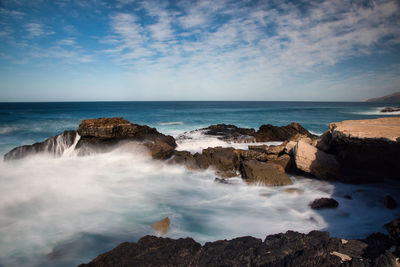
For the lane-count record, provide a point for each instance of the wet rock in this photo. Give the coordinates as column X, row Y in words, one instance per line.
column 224, row 160
column 285, row 249
column 55, row 146
column 348, row 197
column 324, row 203
column 162, row 226
column 104, row 134
column 150, row 251
column 293, row 131
column 230, row 132
column 390, row 109
column 389, row 202
column 312, row 160
column 264, row 173
column 184, row 158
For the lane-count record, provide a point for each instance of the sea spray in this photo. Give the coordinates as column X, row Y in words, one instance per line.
column 47, row 203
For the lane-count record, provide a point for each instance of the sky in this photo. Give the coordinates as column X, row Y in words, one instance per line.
column 128, row 50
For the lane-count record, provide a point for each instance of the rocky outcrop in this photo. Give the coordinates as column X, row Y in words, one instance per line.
column 324, row 203
column 392, row 98
column 288, row 249
column 266, row 133
column 293, row 131
column 103, row 134
column 366, row 150
column 312, row 160
column 55, row 146
column 264, row 173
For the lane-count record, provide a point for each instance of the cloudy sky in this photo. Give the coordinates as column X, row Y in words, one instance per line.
column 66, row 50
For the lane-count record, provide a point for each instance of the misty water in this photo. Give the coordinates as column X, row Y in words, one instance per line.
column 65, row 211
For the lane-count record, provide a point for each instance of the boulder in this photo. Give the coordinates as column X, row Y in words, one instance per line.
column 104, row 134
column 285, row 249
column 286, row 161
column 312, row 160
column 224, row 160
column 264, row 173
column 251, row 154
column 55, row 146
column 367, row 150
column 162, row 226
column 324, row 203
column 293, row 131
column 389, row 202
column 184, row 158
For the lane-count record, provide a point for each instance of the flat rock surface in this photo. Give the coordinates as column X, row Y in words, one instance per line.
column 381, row 128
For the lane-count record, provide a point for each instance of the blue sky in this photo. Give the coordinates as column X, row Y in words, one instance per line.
column 71, row 50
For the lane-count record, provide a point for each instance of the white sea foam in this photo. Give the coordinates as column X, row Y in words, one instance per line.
column 46, row 202
column 6, row 129
column 171, row 123
column 196, row 141
column 377, row 111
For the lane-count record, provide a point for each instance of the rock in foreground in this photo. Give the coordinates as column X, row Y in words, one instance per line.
column 289, row 249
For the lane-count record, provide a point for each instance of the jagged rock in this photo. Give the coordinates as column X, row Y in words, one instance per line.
column 184, row 158
column 293, row 131
column 312, row 160
column 286, row 161
column 103, row 134
column 389, row 202
column 251, row 154
column 224, row 160
column 162, row 226
column 55, row 145
column 231, row 132
column 264, row 173
column 288, row 249
column 324, row 203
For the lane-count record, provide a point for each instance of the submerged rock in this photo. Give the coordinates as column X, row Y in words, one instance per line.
column 288, row 249
column 324, row 203
column 55, row 146
column 264, row 173
column 390, row 109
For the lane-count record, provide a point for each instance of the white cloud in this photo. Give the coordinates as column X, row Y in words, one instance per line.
column 37, row 30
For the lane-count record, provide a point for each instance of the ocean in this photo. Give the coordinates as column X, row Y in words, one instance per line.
column 65, row 211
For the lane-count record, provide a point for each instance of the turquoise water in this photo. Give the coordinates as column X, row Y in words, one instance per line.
column 65, row 211
column 25, row 123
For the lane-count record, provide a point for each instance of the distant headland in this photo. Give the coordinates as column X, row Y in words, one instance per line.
column 393, row 98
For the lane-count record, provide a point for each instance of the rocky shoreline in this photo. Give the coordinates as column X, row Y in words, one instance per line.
column 286, row 249
column 350, row 151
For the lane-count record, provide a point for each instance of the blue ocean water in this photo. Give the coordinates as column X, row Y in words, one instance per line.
column 26, row 123
column 65, row 211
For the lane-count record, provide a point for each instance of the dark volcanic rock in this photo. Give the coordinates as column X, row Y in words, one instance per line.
column 389, row 202
column 230, row 132
column 390, row 109
column 103, row 134
column 324, row 203
column 55, row 145
column 289, row 249
column 293, row 131
column 224, row 160
column 393, row 229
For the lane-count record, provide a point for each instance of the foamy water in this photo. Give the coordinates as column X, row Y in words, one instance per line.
column 377, row 111
column 65, row 211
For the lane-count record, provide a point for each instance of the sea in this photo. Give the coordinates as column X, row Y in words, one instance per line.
column 64, row 211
